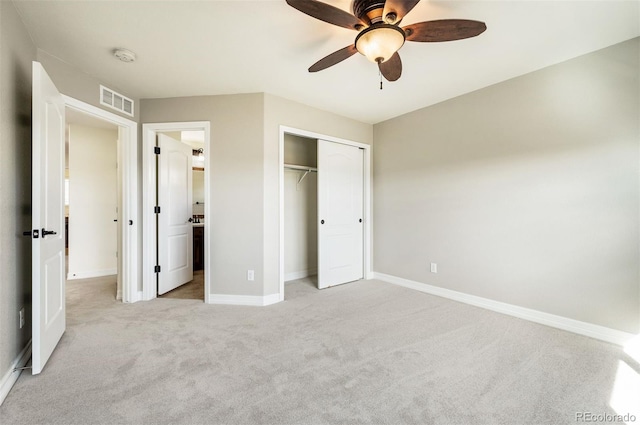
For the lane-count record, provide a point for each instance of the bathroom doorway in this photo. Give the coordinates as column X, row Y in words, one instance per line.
column 180, row 223
column 192, row 238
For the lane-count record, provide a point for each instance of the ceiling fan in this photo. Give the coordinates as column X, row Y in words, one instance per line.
column 379, row 34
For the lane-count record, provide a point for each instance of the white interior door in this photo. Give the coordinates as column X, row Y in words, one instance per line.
column 175, row 231
column 48, row 266
column 340, row 213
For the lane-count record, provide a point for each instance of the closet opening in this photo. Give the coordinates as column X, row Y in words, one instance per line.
column 325, row 224
column 300, row 212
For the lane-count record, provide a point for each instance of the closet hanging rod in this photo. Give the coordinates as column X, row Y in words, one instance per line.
column 300, row 167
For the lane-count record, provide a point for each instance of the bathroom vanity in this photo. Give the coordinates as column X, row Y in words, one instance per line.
column 198, row 246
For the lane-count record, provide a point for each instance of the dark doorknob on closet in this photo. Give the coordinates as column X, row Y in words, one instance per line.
column 321, row 221
column 360, row 220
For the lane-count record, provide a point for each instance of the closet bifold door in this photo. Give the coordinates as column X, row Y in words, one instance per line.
column 340, row 213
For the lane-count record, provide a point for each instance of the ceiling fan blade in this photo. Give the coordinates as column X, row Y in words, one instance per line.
column 399, row 8
column 333, row 58
column 392, row 68
column 327, row 13
column 444, row 30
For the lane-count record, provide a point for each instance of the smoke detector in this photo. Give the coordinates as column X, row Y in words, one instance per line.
column 124, row 55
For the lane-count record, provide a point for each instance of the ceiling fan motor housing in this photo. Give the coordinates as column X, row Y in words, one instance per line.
column 368, row 10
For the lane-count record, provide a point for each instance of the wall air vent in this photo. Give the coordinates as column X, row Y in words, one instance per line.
column 116, row 101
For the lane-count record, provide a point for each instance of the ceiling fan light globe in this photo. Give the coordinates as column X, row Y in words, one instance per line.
column 379, row 42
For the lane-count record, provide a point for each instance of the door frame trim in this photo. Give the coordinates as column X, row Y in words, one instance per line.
column 149, row 290
column 368, row 218
column 128, row 200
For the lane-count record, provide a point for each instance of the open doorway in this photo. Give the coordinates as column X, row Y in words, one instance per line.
column 88, row 118
column 91, row 198
column 180, row 228
column 175, row 210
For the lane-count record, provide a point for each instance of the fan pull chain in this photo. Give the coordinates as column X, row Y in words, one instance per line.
column 380, row 74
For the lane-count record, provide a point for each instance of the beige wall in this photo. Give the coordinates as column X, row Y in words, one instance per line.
column 525, row 192
column 300, row 150
column 93, row 201
column 244, row 174
column 16, row 53
column 235, row 161
column 277, row 112
column 72, row 82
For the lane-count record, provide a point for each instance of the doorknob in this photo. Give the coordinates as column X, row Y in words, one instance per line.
column 321, row 221
column 360, row 220
column 190, row 220
column 48, row 232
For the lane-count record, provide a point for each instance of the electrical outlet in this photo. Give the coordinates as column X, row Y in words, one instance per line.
column 434, row 268
column 250, row 275
column 22, row 318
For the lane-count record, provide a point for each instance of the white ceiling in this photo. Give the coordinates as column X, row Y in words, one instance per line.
column 188, row 48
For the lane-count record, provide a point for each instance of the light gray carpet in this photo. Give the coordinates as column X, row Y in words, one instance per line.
column 193, row 290
column 363, row 353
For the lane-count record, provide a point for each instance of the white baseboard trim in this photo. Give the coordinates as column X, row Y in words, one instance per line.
column 272, row 299
column 252, row 300
column 582, row 328
column 11, row 376
column 89, row 274
column 300, row 274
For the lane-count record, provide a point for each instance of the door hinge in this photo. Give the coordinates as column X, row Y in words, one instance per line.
column 156, row 269
column 156, row 210
column 156, row 150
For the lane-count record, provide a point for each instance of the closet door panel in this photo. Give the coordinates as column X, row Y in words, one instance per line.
column 340, row 213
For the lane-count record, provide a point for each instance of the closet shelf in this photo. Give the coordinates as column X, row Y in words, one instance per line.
column 300, row 167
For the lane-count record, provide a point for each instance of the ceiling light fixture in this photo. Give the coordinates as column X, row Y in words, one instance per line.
column 198, row 155
column 124, row 55
column 380, row 41
column 379, row 33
